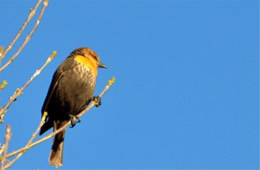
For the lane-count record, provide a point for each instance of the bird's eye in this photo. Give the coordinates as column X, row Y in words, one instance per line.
column 95, row 57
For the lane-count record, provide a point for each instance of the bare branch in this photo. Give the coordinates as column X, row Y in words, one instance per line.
column 29, row 142
column 7, row 139
column 1, row 51
column 91, row 105
column 31, row 14
column 19, row 92
column 27, row 39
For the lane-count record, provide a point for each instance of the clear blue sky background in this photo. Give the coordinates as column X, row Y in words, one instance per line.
column 187, row 82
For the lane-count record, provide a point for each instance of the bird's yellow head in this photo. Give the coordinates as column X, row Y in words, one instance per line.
column 88, row 58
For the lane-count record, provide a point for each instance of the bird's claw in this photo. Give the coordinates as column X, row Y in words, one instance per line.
column 96, row 100
column 73, row 120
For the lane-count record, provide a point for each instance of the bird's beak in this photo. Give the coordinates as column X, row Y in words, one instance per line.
column 101, row 65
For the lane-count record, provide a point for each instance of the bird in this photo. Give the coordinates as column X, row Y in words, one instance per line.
column 70, row 91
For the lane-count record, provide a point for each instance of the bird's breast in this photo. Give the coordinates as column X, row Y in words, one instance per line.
column 75, row 89
column 87, row 63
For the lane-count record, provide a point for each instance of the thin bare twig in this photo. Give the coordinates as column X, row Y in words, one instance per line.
column 7, row 139
column 29, row 142
column 19, row 92
column 27, row 39
column 92, row 104
column 1, row 51
column 31, row 14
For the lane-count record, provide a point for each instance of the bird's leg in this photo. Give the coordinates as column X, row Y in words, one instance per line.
column 96, row 100
column 73, row 120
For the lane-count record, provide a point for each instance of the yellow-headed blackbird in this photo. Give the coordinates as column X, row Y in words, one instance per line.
column 71, row 90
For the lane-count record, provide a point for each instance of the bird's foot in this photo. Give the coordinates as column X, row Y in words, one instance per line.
column 73, row 120
column 96, row 100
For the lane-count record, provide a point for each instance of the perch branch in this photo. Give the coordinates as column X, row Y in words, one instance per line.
column 92, row 104
column 19, row 92
column 9, row 164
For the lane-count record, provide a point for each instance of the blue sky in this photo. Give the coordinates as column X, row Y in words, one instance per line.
column 187, row 82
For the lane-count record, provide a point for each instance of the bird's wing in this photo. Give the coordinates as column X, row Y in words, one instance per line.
column 64, row 67
column 55, row 81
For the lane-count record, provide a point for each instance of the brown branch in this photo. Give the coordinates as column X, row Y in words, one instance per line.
column 31, row 14
column 29, row 142
column 19, row 92
column 27, row 39
column 7, row 139
column 92, row 104
column 1, row 51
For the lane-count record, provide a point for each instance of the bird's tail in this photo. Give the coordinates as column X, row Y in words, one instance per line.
column 56, row 154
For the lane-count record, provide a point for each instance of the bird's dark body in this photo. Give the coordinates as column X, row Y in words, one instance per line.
column 74, row 88
column 71, row 90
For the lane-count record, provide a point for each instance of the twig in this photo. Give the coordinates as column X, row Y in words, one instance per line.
column 1, row 51
column 27, row 39
column 29, row 142
column 92, row 104
column 31, row 14
column 19, row 92
column 3, row 85
column 7, row 139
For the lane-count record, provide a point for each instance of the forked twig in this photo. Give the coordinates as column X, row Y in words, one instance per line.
column 9, row 164
column 92, row 104
column 31, row 14
column 19, row 92
column 27, row 39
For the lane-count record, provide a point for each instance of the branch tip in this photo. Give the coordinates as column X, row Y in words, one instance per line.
column 3, row 84
column 45, row 114
column 1, row 50
column 8, row 129
column 111, row 81
column 46, row 2
column 54, row 53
